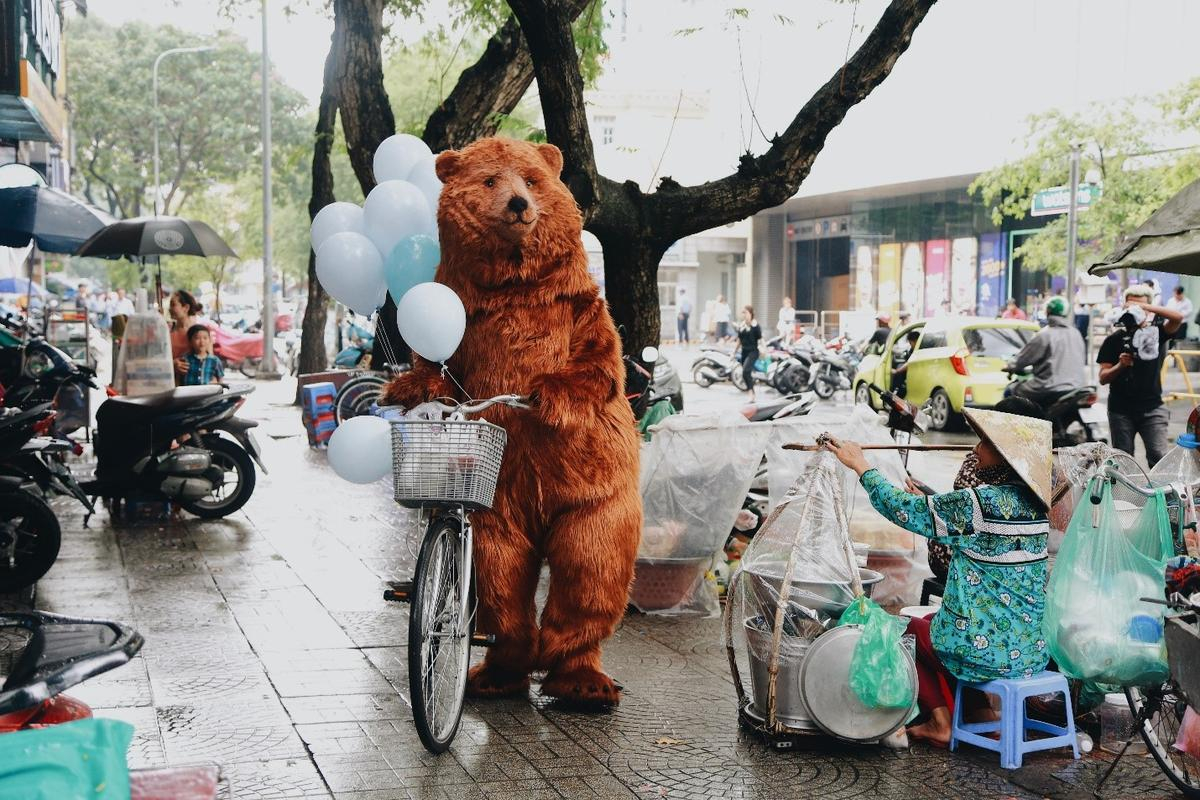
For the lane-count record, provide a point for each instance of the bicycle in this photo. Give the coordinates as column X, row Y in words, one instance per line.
column 1158, row 711
column 447, row 468
column 363, row 390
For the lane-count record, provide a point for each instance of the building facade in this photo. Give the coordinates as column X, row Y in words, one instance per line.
column 33, row 111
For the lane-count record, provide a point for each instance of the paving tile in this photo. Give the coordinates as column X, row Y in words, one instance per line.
column 347, row 708
column 286, row 779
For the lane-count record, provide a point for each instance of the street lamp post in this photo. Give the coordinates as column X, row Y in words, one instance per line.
column 267, row 368
column 1072, row 228
column 157, row 61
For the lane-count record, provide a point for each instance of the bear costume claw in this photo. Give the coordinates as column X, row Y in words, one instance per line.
column 583, row 688
column 484, row 681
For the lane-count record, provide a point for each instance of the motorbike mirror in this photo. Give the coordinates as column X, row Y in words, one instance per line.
column 650, row 354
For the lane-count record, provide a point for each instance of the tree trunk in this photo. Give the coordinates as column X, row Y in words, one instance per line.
column 313, row 357
column 631, row 288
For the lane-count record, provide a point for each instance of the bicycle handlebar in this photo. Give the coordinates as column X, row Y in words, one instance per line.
column 510, row 400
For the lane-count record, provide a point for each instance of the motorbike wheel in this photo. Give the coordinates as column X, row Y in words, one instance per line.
column 26, row 517
column 677, row 401
column 824, row 384
column 702, row 379
column 738, row 377
column 862, row 395
column 249, row 367
column 232, row 494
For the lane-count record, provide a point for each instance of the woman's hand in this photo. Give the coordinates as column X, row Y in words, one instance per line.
column 850, row 454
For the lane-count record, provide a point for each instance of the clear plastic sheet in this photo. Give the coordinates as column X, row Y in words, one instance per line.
column 144, row 362
column 695, row 473
column 1073, row 468
column 793, row 583
column 1180, row 470
column 902, row 557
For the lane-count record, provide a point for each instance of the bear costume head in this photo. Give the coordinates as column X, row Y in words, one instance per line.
column 506, row 219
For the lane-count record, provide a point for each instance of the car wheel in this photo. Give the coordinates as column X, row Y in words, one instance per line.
column 862, row 395
column 942, row 416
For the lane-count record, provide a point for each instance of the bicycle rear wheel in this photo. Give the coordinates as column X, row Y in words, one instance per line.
column 355, row 398
column 1163, row 709
column 439, row 633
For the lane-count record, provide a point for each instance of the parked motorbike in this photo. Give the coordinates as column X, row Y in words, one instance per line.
column 29, row 531
column 61, row 652
column 207, row 474
column 643, row 390
column 33, row 371
column 713, row 366
column 240, row 351
column 835, row 370
column 791, row 405
column 1072, row 413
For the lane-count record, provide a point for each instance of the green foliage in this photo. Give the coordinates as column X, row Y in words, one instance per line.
column 209, row 113
column 1119, row 141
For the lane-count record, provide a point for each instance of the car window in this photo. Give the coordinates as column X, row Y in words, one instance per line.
column 932, row 339
column 996, row 342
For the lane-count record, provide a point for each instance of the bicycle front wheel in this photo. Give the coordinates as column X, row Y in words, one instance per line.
column 439, row 633
column 1163, row 709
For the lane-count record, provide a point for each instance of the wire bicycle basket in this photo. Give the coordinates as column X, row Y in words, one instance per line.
column 446, row 462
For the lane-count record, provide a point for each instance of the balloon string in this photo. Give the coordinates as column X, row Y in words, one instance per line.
column 388, row 352
column 447, row 374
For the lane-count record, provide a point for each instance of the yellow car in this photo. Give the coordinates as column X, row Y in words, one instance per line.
column 957, row 362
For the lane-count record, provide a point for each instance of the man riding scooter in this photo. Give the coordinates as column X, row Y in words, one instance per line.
column 1056, row 356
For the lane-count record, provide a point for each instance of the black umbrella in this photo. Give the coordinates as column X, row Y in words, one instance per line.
column 54, row 220
column 1168, row 241
column 156, row 236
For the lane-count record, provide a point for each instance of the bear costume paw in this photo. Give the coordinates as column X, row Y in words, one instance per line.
column 411, row 388
column 557, row 401
column 583, row 688
column 486, row 681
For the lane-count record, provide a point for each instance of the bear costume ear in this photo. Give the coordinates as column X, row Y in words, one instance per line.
column 446, row 164
column 552, row 156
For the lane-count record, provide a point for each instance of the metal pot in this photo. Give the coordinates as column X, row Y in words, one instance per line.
column 790, row 708
column 828, row 598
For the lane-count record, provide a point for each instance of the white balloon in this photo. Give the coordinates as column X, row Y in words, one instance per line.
column 336, row 218
column 431, row 318
column 351, row 269
column 360, row 449
column 395, row 209
column 425, row 178
column 397, row 155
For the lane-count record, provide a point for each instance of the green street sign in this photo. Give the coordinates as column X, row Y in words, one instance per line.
column 1057, row 199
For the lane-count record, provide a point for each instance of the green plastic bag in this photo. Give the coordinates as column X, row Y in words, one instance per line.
column 654, row 415
column 72, row 761
column 879, row 672
column 1096, row 626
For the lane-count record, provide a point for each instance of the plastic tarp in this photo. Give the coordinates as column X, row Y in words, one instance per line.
column 792, row 584
column 902, row 557
column 144, row 362
column 1073, row 468
column 1180, row 470
column 695, row 473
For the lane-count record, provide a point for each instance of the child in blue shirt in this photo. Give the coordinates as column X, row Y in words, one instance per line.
column 202, row 366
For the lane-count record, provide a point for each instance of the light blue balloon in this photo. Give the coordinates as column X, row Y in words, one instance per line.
column 413, row 260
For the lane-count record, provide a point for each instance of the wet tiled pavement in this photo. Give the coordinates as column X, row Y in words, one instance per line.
column 270, row 651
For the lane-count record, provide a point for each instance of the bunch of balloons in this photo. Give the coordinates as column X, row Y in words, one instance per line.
column 389, row 244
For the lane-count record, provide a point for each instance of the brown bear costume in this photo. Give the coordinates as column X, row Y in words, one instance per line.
column 568, row 489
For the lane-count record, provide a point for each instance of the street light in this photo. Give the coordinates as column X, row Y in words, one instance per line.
column 161, row 56
column 267, row 367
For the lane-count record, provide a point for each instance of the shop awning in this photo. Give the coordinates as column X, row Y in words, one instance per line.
column 1169, row 241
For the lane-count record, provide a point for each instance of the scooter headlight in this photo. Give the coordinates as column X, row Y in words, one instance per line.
column 37, row 364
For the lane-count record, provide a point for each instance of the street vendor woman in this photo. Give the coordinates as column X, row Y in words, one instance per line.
column 990, row 622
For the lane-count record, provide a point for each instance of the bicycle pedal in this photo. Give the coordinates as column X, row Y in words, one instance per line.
column 483, row 639
column 398, row 591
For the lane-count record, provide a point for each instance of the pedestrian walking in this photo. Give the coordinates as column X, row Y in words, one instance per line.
column 786, row 326
column 1130, row 362
column 1183, row 305
column 722, row 316
column 749, row 335
column 685, row 314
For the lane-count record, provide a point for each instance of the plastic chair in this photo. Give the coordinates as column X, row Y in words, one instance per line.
column 1012, row 725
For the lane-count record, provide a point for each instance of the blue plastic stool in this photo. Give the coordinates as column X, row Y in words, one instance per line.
column 1013, row 692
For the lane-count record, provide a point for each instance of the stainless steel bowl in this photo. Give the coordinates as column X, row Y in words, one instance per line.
column 829, row 598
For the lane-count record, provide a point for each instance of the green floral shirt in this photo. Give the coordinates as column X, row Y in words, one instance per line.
column 990, row 622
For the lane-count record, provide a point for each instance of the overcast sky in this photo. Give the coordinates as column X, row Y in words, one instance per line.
column 955, row 102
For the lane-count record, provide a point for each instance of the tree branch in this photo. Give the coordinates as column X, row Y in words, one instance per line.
column 489, row 89
column 770, row 179
column 547, row 29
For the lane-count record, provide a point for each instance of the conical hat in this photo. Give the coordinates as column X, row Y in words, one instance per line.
column 1023, row 442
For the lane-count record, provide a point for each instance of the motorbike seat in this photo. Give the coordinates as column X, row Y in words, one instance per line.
column 120, row 409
